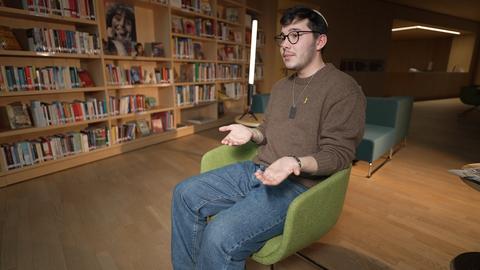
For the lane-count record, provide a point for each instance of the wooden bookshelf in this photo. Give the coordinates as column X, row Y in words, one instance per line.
column 158, row 19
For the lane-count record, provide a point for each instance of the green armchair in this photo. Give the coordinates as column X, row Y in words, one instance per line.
column 309, row 216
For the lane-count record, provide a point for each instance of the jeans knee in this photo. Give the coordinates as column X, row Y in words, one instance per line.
column 220, row 237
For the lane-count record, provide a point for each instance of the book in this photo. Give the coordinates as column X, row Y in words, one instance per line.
column 16, row 115
column 198, row 51
column 154, row 49
column 13, row 4
column 176, row 3
column 205, row 7
column 157, row 125
column 177, row 25
column 85, row 79
column 143, row 128
column 150, row 102
column 188, row 26
column 231, row 14
column 120, row 27
column 7, row 39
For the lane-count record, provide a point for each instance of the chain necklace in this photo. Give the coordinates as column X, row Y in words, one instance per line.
column 293, row 108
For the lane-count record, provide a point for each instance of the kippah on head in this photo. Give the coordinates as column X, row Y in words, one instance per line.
column 318, row 12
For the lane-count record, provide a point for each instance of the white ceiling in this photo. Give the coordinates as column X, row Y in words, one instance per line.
column 466, row 9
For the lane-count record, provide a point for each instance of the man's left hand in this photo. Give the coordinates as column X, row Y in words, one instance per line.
column 278, row 171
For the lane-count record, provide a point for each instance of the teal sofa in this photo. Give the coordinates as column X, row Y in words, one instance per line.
column 259, row 103
column 404, row 115
column 386, row 125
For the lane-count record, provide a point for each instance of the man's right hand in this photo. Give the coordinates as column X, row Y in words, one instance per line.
column 238, row 135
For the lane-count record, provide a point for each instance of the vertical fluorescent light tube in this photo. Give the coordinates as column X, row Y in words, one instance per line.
column 253, row 50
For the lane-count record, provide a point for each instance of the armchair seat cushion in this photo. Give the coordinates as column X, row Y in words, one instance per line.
column 376, row 141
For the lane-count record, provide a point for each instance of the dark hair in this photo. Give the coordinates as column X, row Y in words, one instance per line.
column 112, row 11
column 315, row 21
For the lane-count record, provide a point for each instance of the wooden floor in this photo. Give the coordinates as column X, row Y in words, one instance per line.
column 115, row 213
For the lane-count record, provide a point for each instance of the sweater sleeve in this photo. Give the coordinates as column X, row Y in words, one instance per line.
column 340, row 132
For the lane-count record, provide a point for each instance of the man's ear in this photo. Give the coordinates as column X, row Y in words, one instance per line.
column 321, row 42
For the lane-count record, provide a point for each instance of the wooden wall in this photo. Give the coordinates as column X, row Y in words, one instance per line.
column 361, row 29
column 418, row 53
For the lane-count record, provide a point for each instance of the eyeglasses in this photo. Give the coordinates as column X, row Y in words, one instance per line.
column 292, row 37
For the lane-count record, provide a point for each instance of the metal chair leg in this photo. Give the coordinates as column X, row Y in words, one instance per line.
column 310, row 261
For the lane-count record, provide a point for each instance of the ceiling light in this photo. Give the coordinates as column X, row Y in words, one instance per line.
column 425, row 28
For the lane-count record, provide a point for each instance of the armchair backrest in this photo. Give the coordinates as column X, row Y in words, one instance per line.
column 381, row 111
column 259, row 103
column 405, row 106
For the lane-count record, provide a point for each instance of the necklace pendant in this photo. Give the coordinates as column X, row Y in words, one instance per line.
column 293, row 111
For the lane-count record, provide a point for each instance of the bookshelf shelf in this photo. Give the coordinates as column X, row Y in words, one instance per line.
column 137, row 58
column 236, row 61
column 151, row 111
column 193, row 83
column 138, row 86
column 50, row 92
column 231, row 3
column 201, row 38
column 16, row 132
column 188, row 60
column 199, row 104
column 227, row 42
column 249, row 8
column 230, row 80
column 229, row 22
column 185, row 12
column 48, row 54
column 29, row 15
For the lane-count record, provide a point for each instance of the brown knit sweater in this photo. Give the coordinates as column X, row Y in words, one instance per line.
column 328, row 124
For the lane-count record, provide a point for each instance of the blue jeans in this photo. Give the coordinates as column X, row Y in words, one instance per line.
column 247, row 214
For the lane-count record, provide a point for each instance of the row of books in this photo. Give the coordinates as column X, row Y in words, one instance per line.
column 227, row 33
column 231, row 14
column 160, row 122
column 233, row 90
column 200, row 6
column 61, row 113
column 196, row 27
column 29, row 78
column 30, row 152
column 258, row 72
column 124, row 132
column 260, row 37
column 57, row 41
column 230, row 53
column 84, row 9
column 194, row 94
column 117, row 75
column 40, row 114
column 196, row 72
column 127, row 104
column 229, row 72
column 158, row 2
column 186, row 48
